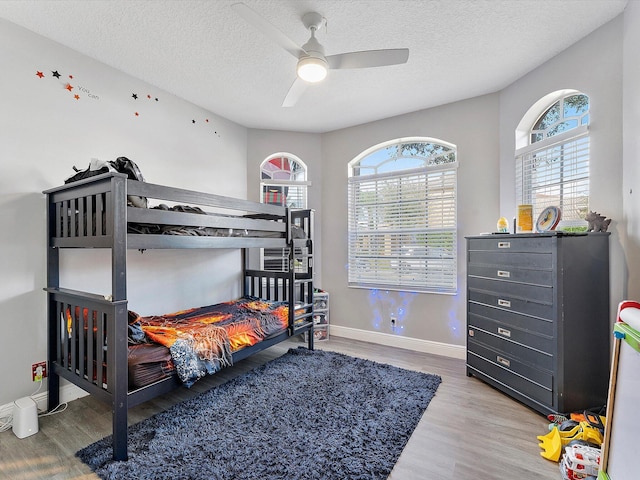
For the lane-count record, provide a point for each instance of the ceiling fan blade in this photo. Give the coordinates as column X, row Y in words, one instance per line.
column 267, row 29
column 295, row 92
column 368, row 58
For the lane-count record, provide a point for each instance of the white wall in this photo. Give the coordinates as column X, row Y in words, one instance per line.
column 471, row 125
column 593, row 66
column 44, row 131
column 631, row 149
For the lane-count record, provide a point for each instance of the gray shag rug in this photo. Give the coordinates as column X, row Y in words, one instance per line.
column 305, row 415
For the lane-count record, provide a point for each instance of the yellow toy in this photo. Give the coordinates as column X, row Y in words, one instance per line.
column 552, row 442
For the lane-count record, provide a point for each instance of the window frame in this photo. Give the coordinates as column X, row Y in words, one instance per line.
column 390, row 253
column 282, row 184
column 565, row 183
column 276, row 259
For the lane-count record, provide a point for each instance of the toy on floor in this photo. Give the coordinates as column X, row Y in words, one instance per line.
column 580, row 462
column 594, row 419
column 589, row 429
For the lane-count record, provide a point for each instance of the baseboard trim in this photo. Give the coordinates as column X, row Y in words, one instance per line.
column 68, row 393
column 415, row 344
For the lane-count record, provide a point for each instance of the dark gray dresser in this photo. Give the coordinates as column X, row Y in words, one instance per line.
column 538, row 317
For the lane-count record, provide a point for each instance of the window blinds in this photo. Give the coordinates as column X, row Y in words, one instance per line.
column 555, row 172
column 402, row 230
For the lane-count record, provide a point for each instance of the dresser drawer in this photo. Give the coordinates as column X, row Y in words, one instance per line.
column 512, row 272
column 523, row 332
column 538, row 260
column 510, row 348
column 512, row 304
column 541, row 392
column 528, row 323
column 502, row 288
column 512, row 244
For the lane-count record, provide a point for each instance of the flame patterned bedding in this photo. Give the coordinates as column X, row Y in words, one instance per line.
column 201, row 340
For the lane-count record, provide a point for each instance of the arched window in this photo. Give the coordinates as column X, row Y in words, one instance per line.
column 284, row 181
column 552, row 159
column 402, row 216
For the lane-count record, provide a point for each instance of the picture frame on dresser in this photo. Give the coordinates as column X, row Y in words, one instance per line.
column 537, row 322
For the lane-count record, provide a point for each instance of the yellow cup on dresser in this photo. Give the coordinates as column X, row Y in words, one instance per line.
column 525, row 219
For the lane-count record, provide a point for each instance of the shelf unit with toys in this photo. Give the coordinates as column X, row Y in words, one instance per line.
column 320, row 315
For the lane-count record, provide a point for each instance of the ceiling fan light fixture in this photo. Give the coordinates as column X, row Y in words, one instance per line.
column 312, row 69
column 313, row 65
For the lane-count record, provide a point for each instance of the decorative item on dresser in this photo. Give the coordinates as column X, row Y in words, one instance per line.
column 538, row 317
column 597, row 222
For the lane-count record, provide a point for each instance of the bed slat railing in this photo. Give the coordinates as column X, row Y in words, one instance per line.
column 178, row 195
column 85, row 325
column 278, row 287
column 80, row 214
column 268, row 285
column 303, row 219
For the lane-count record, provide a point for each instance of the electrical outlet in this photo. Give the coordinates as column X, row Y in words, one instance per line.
column 39, row 371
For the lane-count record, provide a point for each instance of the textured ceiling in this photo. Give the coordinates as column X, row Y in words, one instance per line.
column 204, row 52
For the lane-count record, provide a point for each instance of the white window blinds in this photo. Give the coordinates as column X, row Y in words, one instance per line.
column 402, row 229
column 555, row 171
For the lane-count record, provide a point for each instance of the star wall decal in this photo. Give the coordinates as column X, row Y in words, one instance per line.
column 77, row 91
column 135, row 96
column 205, row 121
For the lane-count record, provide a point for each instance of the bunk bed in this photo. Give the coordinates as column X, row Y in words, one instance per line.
column 89, row 335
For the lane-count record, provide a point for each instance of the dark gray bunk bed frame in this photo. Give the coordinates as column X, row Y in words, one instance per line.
column 93, row 213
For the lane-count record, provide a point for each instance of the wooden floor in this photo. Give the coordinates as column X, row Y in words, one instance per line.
column 469, row 432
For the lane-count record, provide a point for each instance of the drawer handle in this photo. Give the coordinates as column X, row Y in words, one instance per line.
column 503, row 361
column 504, row 244
column 504, row 332
column 504, row 303
column 472, row 333
column 504, row 274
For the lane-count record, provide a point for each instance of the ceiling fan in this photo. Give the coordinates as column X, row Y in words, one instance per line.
column 313, row 64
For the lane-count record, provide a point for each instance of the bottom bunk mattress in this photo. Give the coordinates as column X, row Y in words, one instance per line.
column 200, row 340
column 148, row 363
